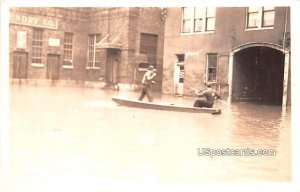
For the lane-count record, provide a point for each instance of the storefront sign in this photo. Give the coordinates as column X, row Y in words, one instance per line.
column 54, row 42
column 34, row 20
column 21, row 39
column 192, row 53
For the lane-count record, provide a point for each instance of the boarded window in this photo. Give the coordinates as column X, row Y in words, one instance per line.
column 148, row 48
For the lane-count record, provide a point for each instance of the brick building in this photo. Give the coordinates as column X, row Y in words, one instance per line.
column 243, row 51
column 83, row 45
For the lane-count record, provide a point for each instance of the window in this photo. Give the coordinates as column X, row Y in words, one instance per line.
column 68, row 49
column 268, row 16
column 260, row 17
column 186, row 20
column 210, row 19
column 211, row 72
column 37, row 46
column 148, row 49
column 198, row 19
column 93, row 53
column 180, row 58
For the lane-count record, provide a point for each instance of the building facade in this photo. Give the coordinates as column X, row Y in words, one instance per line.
column 243, row 51
column 112, row 46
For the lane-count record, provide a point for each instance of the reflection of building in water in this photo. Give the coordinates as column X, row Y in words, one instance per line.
column 244, row 51
column 109, row 45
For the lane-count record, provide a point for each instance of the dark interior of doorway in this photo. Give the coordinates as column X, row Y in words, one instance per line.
column 20, row 65
column 112, row 68
column 258, row 75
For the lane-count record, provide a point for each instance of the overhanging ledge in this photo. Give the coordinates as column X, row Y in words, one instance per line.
column 109, row 46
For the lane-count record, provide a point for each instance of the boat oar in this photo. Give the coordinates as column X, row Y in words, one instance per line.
column 194, row 89
column 222, row 102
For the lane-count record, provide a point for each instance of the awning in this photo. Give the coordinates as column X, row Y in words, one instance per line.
column 114, row 44
column 108, row 45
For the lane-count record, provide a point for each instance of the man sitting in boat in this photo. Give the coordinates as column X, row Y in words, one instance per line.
column 210, row 95
column 147, row 83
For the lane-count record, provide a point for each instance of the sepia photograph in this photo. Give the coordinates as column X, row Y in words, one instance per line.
column 122, row 96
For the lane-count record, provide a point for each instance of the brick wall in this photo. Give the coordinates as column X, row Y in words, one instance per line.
column 150, row 22
column 124, row 23
column 69, row 20
column 229, row 33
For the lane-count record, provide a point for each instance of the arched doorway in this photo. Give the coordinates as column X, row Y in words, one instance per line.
column 259, row 72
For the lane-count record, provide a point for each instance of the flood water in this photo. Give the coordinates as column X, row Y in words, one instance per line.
column 77, row 139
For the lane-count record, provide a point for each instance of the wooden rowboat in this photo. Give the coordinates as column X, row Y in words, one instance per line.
column 164, row 106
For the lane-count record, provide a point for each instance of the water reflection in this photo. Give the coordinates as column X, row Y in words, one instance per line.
column 58, row 132
column 256, row 122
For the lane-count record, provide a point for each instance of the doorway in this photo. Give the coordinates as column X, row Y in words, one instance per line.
column 52, row 67
column 258, row 74
column 20, row 65
column 179, row 75
column 112, row 67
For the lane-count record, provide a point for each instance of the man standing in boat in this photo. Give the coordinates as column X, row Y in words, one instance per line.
column 210, row 95
column 147, row 83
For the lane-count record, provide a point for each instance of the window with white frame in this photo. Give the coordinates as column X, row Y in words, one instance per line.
column 37, row 46
column 93, row 53
column 198, row 19
column 68, row 49
column 187, row 14
column 211, row 70
column 260, row 17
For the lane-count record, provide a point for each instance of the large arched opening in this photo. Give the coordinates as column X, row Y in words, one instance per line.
column 259, row 72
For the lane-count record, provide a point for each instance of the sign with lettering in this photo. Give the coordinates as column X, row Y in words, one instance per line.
column 54, row 42
column 192, row 53
column 34, row 20
column 21, row 39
